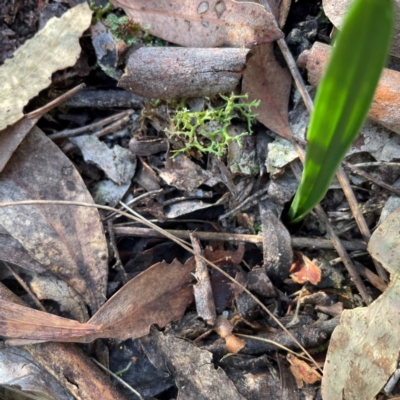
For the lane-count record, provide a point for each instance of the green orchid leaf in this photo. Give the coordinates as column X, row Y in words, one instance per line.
column 344, row 97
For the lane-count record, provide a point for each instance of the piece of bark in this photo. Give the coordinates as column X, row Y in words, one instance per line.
column 105, row 99
column 259, row 283
column 385, row 108
column 203, row 294
column 195, row 375
column 176, row 72
column 277, row 249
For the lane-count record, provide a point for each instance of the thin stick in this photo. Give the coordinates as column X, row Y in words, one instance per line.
column 297, row 242
column 359, row 217
column 138, row 218
column 117, row 378
column 105, row 131
column 56, row 102
column 27, row 289
column 67, row 133
column 355, row 170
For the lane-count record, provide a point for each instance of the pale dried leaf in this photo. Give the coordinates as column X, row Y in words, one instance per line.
column 67, row 240
column 198, row 23
column 53, row 48
column 264, row 79
column 363, row 351
column 336, row 10
column 118, row 163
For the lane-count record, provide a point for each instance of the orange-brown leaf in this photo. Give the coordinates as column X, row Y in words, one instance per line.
column 304, row 270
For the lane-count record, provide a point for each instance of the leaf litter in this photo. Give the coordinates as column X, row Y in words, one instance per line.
column 39, row 238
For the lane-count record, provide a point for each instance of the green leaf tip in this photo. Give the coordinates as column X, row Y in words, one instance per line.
column 344, row 97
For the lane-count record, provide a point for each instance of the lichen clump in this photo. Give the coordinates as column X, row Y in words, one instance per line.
column 206, row 130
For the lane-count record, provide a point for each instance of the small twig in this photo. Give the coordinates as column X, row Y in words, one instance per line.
column 109, row 129
column 117, row 378
column 27, row 289
column 250, row 199
column 138, row 218
column 203, row 294
column 359, row 217
column 355, row 170
column 136, row 200
column 56, row 102
column 67, row 133
column 297, row 242
column 261, row 339
column 118, row 262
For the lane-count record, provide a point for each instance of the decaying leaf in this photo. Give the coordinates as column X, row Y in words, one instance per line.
column 118, row 163
column 68, row 241
column 363, row 352
column 176, row 72
column 185, row 175
column 53, row 48
column 304, row 270
column 198, row 23
column 159, row 295
column 336, row 10
column 264, row 79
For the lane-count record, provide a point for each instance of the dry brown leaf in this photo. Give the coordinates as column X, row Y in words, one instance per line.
column 22, row 322
column 66, row 240
column 225, row 256
column 158, row 295
column 66, row 363
column 304, row 270
column 264, row 79
column 302, row 372
column 335, row 10
column 363, row 351
column 197, row 23
column 53, row 48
